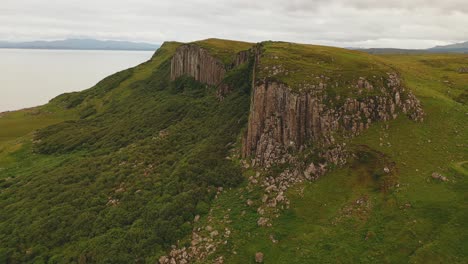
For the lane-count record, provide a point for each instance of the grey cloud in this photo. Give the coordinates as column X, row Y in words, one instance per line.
column 366, row 23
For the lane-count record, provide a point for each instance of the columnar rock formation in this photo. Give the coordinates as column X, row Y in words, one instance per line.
column 242, row 57
column 282, row 120
column 194, row 61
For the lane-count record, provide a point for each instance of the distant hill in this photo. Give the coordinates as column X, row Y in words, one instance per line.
column 453, row 48
column 391, row 51
column 80, row 44
column 458, row 47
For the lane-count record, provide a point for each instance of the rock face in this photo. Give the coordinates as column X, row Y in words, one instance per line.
column 282, row 120
column 241, row 58
column 194, row 61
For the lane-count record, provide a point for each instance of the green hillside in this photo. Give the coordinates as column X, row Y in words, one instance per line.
column 346, row 216
column 117, row 173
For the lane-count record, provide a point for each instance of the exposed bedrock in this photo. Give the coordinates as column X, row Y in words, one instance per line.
column 282, row 120
column 197, row 62
column 242, row 57
column 192, row 60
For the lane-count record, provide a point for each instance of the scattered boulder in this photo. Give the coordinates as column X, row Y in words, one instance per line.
column 163, row 260
column 262, row 221
column 163, row 133
column 214, row 233
column 259, row 257
column 272, row 238
column 439, row 176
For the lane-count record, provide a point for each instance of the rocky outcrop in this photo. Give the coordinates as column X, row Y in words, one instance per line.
column 241, row 58
column 463, row 70
column 282, row 120
column 194, row 61
column 204, row 242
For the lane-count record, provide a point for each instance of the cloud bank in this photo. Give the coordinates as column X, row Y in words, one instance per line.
column 351, row 23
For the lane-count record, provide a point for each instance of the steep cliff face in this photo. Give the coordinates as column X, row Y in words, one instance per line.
column 293, row 104
column 194, row 61
column 284, row 120
column 242, row 57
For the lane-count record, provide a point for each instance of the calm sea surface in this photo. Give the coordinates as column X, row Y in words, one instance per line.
column 33, row 77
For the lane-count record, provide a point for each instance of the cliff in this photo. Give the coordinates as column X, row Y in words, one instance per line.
column 304, row 102
column 285, row 120
column 302, row 95
column 194, row 61
column 281, row 119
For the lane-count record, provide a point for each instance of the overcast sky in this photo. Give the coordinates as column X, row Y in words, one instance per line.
column 344, row 23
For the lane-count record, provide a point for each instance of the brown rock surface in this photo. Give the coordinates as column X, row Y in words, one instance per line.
column 194, row 61
column 282, row 120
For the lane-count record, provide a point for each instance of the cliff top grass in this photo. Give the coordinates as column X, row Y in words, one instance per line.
column 300, row 65
column 439, row 72
column 223, row 49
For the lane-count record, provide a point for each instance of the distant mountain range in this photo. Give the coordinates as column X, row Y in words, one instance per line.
column 458, row 47
column 453, row 48
column 80, row 44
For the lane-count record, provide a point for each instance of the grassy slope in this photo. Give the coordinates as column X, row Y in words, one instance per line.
column 323, row 225
column 421, row 221
column 155, row 148
column 17, row 127
column 299, row 65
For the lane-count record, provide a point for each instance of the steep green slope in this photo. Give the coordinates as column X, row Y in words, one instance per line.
column 139, row 157
column 123, row 182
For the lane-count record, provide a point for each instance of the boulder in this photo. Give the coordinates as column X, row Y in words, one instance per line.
column 262, row 221
column 439, row 176
column 197, row 217
column 259, row 257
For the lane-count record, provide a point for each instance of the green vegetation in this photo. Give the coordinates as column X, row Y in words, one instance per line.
column 116, row 173
column 225, row 50
column 300, row 66
column 22, row 124
column 123, row 184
